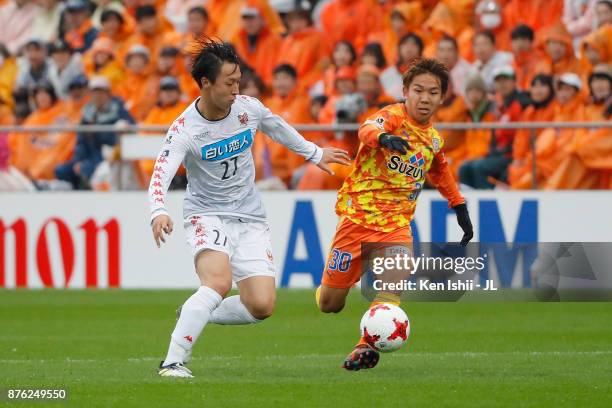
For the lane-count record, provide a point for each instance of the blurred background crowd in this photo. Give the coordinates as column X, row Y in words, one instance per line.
column 312, row 62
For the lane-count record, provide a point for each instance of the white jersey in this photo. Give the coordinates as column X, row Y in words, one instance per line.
column 217, row 157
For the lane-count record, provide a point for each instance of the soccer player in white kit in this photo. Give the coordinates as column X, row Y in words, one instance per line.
column 224, row 218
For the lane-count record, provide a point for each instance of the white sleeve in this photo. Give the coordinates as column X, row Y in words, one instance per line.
column 168, row 161
column 281, row 132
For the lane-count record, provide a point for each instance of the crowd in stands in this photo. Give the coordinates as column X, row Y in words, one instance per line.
column 327, row 61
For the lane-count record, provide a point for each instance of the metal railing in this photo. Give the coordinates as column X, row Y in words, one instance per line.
column 311, row 127
column 135, row 147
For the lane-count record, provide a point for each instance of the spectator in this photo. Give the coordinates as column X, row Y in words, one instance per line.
column 101, row 7
column 537, row 14
column 344, row 55
column 347, row 20
column 452, row 19
column 104, row 109
column 65, row 66
column 554, row 145
column 177, row 13
column 168, row 108
column 151, row 33
column 223, row 16
column 113, row 26
column 600, row 90
column 368, row 84
column 447, row 52
column 47, row 23
column 603, row 11
column 483, row 173
column 403, row 19
column 78, row 96
column 480, row 109
column 528, row 60
column 453, row 109
column 8, row 75
column 578, row 18
column 488, row 59
column 37, row 154
column 256, row 44
column 305, row 48
column 345, row 85
column 16, row 20
column 290, row 103
column 597, row 47
column 79, row 32
column 198, row 25
column 542, row 109
column 372, row 54
column 557, row 44
column 139, row 87
column 410, row 48
column 587, row 164
column 169, row 63
column 37, row 67
column 101, row 60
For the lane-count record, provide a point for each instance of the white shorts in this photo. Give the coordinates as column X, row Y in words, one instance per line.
column 246, row 242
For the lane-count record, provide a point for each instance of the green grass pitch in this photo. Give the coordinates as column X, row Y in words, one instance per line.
column 104, row 347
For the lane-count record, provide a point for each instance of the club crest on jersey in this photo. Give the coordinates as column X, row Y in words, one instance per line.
column 411, row 169
column 436, row 144
column 243, row 118
column 229, row 147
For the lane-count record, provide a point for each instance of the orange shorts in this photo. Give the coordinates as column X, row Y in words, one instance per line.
column 343, row 266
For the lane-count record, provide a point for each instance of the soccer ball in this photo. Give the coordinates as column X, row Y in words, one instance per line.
column 385, row 327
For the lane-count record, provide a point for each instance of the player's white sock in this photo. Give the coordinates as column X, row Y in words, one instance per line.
column 195, row 313
column 232, row 311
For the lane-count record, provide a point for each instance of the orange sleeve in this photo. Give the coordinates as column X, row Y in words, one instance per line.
column 380, row 122
column 441, row 176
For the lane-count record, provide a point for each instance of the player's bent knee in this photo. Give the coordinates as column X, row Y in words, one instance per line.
column 261, row 309
column 330, row 305
column 220, row 286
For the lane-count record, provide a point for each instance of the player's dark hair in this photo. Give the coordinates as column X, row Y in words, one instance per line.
column 143, row 12
column 448, row 38
column 427, row 66
column 522, row 31
column 199, row 10
column 414, row 37
column 486, row 33
column 209, row 57
column 375, row 49
column 287, row 69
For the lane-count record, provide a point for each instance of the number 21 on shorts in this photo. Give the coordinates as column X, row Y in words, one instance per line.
column 340, row 261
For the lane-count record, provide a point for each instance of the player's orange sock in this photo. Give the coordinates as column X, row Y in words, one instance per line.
column 381, row 298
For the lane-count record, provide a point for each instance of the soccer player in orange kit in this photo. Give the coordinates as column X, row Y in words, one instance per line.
column 376, row 203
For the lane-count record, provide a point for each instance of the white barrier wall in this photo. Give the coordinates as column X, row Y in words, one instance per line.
column 103, row 240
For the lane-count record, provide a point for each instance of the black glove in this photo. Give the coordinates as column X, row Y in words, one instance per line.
column 463, row 219
column 393, row 142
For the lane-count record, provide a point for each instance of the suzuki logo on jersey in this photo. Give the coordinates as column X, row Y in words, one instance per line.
column 412, row 169
column 229, row 147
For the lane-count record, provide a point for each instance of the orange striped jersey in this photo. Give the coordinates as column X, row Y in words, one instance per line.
column 382, row 189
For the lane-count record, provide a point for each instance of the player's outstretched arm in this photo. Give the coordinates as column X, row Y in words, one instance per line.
column 168, row 161
column 441, row 176
column 333, row 155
